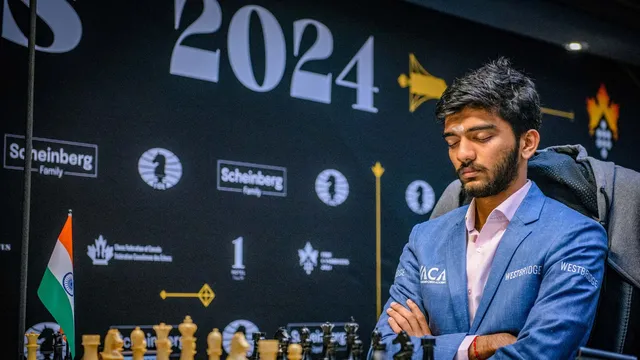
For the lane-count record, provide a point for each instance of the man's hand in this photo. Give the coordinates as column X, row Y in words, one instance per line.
column 412, row 321
column 487, row 345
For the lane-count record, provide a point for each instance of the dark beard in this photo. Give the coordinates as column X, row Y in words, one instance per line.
column 506, row 172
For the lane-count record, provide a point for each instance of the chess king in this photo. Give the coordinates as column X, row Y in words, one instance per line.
column 514, row 274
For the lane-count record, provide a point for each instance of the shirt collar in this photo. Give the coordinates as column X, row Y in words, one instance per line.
column 506, row 209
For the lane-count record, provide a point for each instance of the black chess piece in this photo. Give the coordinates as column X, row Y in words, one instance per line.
column 376, row 340
column 58, row 343
column 67, row 353
column 428, row 345
column 46, row 348
column 257, row 336
column 379, row 352
column 327, row 334
column 356, row 349
column 406, row 347
column 331, row 349
column 283, row 340
column 351, row 328
column 306, row 343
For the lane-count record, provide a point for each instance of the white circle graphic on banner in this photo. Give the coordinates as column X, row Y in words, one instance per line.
column 245, row 326
column 332, row 187
column 160, row 168
column 420, row 197
column 45, row 330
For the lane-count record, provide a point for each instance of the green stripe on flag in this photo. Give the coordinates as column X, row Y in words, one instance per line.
column 56, row 301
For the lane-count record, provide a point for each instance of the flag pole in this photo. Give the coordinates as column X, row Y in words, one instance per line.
column 26, row 201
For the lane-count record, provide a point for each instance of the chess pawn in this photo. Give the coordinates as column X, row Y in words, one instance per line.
column 356, row 350
column 113, row 344
column 32, row 346
column 90, row 344
column 214, row 341
column 138, row 344
column 268, row 349
column 257, row 336
column 239, row 347
column 163, row 344
column 294, row 352
column 305, row 341
column 187, row 329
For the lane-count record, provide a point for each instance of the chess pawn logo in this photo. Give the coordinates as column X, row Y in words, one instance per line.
column 163, row 344
column 90, row 344
column 113, row 344
column 138, row 344
column 187, row 329
column 32, row 345
column 214, row 341
column 239, row 347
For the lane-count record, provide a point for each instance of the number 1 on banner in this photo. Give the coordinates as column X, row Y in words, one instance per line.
column 364, row 83
column 237, row 253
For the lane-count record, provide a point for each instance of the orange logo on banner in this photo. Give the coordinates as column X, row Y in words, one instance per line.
column 600, row 107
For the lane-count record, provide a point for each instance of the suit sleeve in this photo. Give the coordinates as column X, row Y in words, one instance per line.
column 407, row 286
column 563, row 313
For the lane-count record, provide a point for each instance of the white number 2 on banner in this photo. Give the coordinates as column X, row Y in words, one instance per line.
column 205, row 64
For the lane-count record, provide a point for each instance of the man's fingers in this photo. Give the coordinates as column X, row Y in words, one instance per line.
column 400, row 320
column 394, row 325
column 422, row 321
column 413, row 328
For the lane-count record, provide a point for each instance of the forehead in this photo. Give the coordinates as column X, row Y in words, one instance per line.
column 473, row 117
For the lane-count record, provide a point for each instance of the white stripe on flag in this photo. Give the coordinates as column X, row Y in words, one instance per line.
column 60, row 265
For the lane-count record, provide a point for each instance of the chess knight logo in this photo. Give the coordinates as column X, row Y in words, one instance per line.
column 160, row 168
column 332, row 187
column 603, row 120
column 308, row 258
column 420, row 197
column 45, row 330
column 422, row 85
column 100, row 253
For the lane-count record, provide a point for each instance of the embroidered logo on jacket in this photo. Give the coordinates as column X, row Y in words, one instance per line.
column 432, row 275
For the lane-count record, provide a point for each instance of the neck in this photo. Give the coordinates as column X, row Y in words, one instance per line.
column 485, row 205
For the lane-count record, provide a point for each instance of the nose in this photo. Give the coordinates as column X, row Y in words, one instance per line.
column 465, row 151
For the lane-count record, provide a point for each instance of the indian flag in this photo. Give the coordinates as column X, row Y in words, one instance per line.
column 56, row 287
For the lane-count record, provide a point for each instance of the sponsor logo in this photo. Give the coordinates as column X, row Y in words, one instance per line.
column 420, row 197
column 150, row 338
column 52, row 157
column 45, row 331
column 67, row 283
column 422, row 85
column 315, row 335
column 603, row 120
column 332, row 187
column 160, row 168
column 308, row 257
column 252, row 179
column 432, row 275
column 527, row 270
column 244, row 326
column 5, row 247
column 101, row 252
column 572, row 268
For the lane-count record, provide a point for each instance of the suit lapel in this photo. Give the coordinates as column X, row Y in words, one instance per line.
column 456, row 266
column 517, row 230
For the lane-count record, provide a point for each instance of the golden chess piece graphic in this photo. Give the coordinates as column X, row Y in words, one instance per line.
column 138, row 344
column 239, row 347
column 163, row 344
column 187, row 329
column 422, row 85
column 113, row 344
column 32, row 345
column 90, row 344
column 214, row 341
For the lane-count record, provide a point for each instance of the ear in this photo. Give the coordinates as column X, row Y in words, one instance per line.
column 529, row 142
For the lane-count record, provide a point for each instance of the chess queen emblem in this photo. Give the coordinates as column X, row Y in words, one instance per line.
column 160, row 168
column 332, row 187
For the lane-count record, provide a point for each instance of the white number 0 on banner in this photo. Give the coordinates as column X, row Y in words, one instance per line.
column 205, row 64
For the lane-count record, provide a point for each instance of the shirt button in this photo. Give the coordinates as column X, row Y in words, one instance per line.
column 469, row 291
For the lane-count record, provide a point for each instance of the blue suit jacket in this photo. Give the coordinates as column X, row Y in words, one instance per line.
column 543, row 284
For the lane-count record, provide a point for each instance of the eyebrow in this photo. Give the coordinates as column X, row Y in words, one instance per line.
column 472, row 129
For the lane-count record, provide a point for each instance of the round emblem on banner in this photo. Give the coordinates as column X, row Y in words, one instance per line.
column 332, row 187
column 160, row 168
column 244, row 326
column 45, row 330
column 420, row 197
column 67, row 283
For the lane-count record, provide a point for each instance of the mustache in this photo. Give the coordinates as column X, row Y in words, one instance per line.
column 470, row 166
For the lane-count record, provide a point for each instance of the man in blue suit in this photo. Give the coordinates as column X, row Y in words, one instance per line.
column 513, row 275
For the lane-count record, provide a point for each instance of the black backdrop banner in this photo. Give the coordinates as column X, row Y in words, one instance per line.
column 222, row 158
